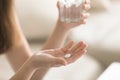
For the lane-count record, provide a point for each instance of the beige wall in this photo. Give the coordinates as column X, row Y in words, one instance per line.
column 38, row 17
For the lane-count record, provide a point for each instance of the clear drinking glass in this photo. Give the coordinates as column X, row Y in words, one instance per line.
column 70, row 10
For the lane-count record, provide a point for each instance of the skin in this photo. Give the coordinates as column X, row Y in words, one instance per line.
column 50, row 58
column 33, row 67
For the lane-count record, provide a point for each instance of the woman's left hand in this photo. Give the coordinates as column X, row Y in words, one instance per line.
column 84, row 15
column 70, row 53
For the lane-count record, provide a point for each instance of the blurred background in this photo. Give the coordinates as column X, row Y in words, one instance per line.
column 102, row 33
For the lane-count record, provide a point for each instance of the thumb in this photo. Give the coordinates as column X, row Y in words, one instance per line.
column 57, row 62
column 58, row 6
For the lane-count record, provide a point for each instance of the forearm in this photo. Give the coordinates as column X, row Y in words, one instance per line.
column 39, row 74
column 57, row 38
column 25, row 72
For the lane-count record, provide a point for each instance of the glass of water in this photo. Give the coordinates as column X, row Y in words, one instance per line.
column 70, row 10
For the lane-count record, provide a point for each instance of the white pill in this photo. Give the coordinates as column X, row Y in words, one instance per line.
column 68, row 55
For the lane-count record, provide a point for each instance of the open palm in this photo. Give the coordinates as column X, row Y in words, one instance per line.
column 76, row 51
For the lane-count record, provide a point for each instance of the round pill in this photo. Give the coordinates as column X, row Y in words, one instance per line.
column 68, row 55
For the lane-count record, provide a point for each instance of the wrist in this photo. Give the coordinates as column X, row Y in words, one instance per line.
column 32, row 62
column 29, row 63
column 25, row 72
column 36, row 62
column 62, row 27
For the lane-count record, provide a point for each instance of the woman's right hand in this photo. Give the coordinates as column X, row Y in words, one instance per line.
column 56, row 57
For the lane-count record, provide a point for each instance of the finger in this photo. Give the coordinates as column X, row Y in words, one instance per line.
column 68, row 46
column 83, row 47
column 58, row 4
column 76, row 56
column 85, row 15
column 87, row 1
column 86, row 7
column 76, row 47
column 83, row 21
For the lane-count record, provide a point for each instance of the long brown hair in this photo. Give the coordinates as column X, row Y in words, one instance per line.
column 6, row 29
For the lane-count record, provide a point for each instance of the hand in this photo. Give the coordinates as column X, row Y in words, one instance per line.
column 56, row 57
column 84, row 15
